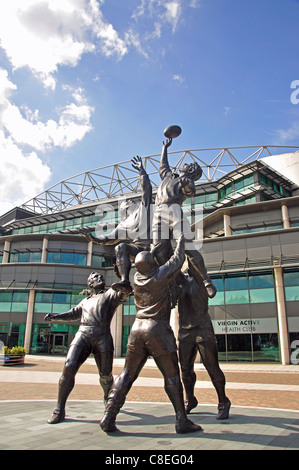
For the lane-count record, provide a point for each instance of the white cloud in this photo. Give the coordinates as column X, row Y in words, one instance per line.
column 22, row 134
column 162, row 12
column 45, row 34
column 173, row 13
column 27, row 129
column 178, row 78
column 288, row 136
column 22, row 176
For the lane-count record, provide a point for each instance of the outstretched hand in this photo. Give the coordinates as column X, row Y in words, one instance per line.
column 137, row 163
column 167, row 143
column 49, row 317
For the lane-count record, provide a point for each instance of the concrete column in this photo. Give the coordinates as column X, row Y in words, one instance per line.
column 89, row 254
column 44, row 250
column 285, row 216
column 226, row 223
column 6, row 251
column 282, row 317
column 29, row 319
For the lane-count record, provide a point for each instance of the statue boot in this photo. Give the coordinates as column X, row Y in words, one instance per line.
column 223, row 410
column 65, row 388
column 189, row 383
column 182, row 425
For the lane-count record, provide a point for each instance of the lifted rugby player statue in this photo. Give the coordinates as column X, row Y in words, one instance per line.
column 169, row 218
column 132, row 234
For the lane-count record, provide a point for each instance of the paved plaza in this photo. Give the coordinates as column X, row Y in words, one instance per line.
column 28, row 396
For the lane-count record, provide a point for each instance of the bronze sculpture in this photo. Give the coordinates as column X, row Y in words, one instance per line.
column 196, row 333
column 94, row 336
column 135, row 227
column 151, row 335
column 168, row 216
column 158, row 285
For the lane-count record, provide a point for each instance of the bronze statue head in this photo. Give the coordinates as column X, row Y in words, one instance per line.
column 191, row 170
column 96, row 282
column 145, row 262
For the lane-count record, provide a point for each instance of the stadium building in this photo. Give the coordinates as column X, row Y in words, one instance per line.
column 248, row 200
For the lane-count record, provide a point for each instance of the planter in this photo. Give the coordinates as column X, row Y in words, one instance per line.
column 14, row 360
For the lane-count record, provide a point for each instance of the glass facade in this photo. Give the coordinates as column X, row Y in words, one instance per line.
column 67, row 258
column 244, row 317
column 291, row 289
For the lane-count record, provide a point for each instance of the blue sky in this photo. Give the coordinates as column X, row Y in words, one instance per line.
column 88, row 83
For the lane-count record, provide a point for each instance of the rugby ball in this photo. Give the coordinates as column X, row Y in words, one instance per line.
column 171, row 132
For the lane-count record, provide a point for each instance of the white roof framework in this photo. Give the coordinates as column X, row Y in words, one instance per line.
column 120, row 179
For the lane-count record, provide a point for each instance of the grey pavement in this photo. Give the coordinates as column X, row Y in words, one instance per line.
column 144, row 426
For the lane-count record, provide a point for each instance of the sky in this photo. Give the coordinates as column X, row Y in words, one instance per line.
column 89, row 83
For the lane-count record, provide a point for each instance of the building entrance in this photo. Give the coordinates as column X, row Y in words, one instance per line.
column 58, row 345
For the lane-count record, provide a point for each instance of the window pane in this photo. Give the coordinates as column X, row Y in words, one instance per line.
column 19, row 307
column 218, row 299
column 53, row 257
column 239, row 348
column 14, row 257
column 5, row 296
column 262, row 295
column 211, row 197
column 234, row 283
column 265, row 347
column 80, row 259
column 23, row 257
column 20, row 297
column 260, row 281
column 291, row 278
column 43, row 307
column 67, row 258
column 218, row 283
column 61, row 298
column 46, row 297
column 35, row 257
column 236, row 297
column 291, row 293
column 5, row 306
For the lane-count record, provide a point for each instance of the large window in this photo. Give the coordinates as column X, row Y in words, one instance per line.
column 244, row 316
column 13, row 301
column 25, row 257
column 61, row 257
column 56, row 302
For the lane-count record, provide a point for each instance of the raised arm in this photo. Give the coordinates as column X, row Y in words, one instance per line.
column 164, row 165
column 170, row 269
column 147, row 193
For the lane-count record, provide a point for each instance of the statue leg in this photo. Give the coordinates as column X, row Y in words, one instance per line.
column 104, row 361
column 77, row 354
column 120, row 389
column 187, row 355
column 209, row 355
column 168, row 365
column 124, row 254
